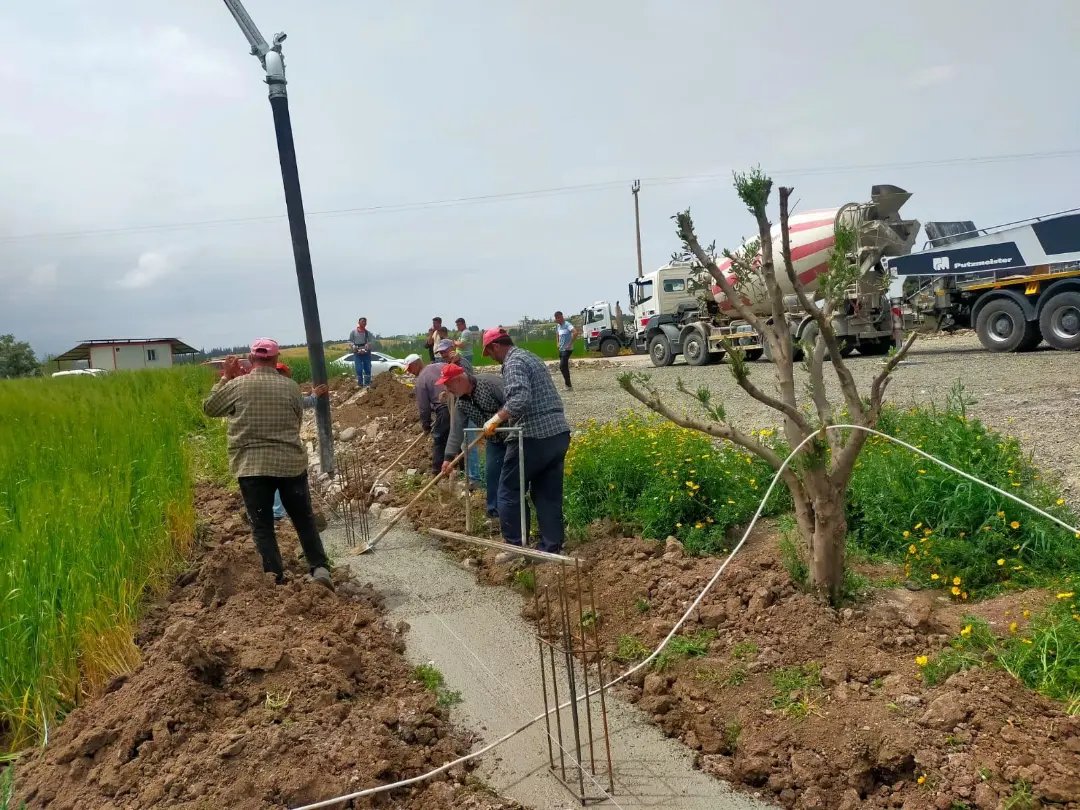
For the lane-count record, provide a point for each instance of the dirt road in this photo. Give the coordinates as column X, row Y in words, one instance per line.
column 1034, row 396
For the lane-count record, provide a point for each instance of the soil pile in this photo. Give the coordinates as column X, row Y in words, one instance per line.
column 825, row 709
column 252, row 695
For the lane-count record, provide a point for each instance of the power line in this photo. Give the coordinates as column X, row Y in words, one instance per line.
column 540, row 193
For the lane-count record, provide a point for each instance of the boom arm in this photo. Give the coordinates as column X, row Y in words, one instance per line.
column 269, row 55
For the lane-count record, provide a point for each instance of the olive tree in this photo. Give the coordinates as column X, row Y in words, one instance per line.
column 818, row 477
column 16, row 358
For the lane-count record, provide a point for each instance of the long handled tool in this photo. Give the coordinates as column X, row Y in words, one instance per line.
column 394, row 463
column 393, row 521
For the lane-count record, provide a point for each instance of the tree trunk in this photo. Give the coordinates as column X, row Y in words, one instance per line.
column 827, row 545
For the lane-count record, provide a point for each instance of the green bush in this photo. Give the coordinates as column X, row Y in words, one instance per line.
column 948, row 531
column 662, row 479
column 1047, row 658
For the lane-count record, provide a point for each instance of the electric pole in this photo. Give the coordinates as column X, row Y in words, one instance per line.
column 634, row 189
column 274, row 64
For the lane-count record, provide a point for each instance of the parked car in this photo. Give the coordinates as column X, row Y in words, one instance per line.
column 80, row 372
column 380, row 363
column 219, row 364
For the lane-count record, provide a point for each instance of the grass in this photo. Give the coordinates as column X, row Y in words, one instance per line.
column 96, row 482
column 1020, row 797
column 629, row 649
column 796, row 688
column 432, row 679
column 683, row 647
column 948, row 532
column 525, row 580
column 663, row 479
column 7, row 790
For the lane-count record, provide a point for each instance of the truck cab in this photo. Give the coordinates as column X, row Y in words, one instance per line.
column 656, row 299
column 603, row 329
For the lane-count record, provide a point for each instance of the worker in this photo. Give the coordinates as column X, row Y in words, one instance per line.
column 479, row 398
column 565, row 335
column 447, row 351
column 465, row 339
column 434, row 414
column 308, row 402
column 360, row 339
column 263, row 409
column 436, row 333
column 531, row 403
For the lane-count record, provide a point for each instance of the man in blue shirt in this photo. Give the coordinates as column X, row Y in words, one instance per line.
column 531, row 402
column 565, row 333
column 360, row 339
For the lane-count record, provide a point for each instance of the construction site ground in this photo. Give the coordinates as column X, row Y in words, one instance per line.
column 254, row 696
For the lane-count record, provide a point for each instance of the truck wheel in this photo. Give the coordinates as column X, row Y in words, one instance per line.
column 660, row 351
column 1001, row 326
column 1060, row 321
column 1032, row 338
column 753, row 355
column 696, row 349
column 609, row 347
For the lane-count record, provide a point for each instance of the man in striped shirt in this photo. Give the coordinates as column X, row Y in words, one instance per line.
column 266, row 455
column 532, row 403
column 478, row 398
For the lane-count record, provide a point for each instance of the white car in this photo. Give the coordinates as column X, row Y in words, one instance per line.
column 80, row 372
column 380, row 363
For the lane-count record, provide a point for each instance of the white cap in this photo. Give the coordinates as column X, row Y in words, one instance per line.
column 412, row 358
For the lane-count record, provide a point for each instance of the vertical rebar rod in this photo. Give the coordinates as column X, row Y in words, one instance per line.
column 602, row 688
column 568, row 652
column 543, row 678
column 555, row 686
column 585, row 663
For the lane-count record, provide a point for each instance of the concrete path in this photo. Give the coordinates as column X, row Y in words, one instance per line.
column 485, row 650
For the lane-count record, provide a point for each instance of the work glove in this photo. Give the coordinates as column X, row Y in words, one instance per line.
column 491, row 425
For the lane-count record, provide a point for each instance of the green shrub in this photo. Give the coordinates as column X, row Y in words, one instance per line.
column 948, row 531
column 681, row 647
column 968, row 649
column 662, row 479
column 1047, row 658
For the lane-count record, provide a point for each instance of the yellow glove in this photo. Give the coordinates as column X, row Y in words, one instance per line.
column 491, row 425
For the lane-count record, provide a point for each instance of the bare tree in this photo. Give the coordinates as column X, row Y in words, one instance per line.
column 818, row 478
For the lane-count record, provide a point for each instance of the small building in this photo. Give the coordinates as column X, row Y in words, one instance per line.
column 127, row 354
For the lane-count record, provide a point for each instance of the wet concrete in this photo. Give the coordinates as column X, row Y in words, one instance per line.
column 487, row 652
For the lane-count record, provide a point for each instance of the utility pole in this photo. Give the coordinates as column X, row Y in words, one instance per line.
column 634, row 189
column 273, row 63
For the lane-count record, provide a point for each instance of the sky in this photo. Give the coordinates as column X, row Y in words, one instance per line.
column 120, row 116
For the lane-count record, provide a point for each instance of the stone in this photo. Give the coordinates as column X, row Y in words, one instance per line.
column 656, row 684
column 806, row 766
column 672, row 544
column 658, row 704
column 762, row 598
column 913, row 609
column 945, row 711
column 712, row 616
column 833, row 674
column 348, row 434
column 909, row 701
column 1060, row 788
column 985, row 797
column 753, row 770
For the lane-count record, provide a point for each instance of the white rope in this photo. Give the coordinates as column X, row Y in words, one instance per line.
column 693, row 605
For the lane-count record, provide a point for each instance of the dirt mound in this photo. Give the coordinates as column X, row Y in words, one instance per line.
column 254, row 696
column 820, row 708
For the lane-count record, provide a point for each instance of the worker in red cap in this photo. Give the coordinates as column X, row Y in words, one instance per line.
column 532, row 403
column 477, row 399
column 266, row 455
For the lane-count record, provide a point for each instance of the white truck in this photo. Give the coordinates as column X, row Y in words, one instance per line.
column 605, row 329
column 670, row 320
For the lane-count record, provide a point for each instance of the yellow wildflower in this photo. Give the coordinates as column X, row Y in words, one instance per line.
column 907, row 534
column 966, row 631
column 956, row 580
column 1066, row 595
column 918, row 526
column 955, row 591
column 922, row 660
column 1013, row 626
column 912, row 549
column 922, row 779
column 1015, row 524
column 1000, row 561
column 1027, row 614
column 1060, row 501
column 922, row 472
column 935, row 576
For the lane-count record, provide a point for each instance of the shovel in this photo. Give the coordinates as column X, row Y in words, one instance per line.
column 393, row 521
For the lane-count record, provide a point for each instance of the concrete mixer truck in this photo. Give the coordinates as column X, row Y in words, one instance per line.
column 672, row 319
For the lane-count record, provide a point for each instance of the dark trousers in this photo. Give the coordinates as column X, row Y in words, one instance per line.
column 440, row 432
column 564, row 365
column 362, row 361
column 544, row 481
column 258, row 492
column 494, row 452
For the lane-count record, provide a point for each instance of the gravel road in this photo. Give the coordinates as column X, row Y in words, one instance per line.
column 1034, row 396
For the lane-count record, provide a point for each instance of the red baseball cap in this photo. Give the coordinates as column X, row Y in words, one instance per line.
column 449, row 372
column 493, row 335
column 264, row 347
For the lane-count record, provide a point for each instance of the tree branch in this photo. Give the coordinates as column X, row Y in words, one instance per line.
column 805, row 300
column 881, row 381
column 689, row 237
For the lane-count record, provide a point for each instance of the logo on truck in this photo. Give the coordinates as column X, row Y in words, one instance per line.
column 941, row 263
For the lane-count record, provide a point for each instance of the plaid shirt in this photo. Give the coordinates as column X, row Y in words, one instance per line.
column 479, row 406
column 264, row 410
column 531, row 398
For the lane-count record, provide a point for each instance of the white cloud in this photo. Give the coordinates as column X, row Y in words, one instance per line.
column 43, row 276
column 930, row 76
column 151, row 266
